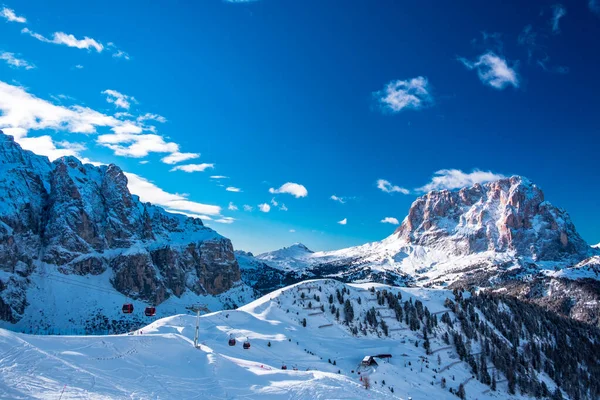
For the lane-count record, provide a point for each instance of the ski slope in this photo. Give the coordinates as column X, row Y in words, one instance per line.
column 160, row 362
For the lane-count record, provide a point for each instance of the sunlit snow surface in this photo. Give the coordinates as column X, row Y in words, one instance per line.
column 160, row 362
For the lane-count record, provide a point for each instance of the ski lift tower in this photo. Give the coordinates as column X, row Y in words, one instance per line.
column 197, row 308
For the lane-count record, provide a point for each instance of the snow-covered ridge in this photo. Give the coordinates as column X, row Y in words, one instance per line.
column 286, row 328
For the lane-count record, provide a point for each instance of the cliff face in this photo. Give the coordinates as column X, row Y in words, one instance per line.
column 505, row 215
column 69, row 218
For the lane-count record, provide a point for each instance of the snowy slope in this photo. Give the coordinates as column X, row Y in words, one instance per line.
column 159, row 360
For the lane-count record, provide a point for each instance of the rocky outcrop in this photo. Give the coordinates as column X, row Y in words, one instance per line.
column 506, row 215
column 71, row 218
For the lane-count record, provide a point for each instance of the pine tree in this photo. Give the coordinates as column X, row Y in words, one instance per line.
column 348, row 311
column 461, row 391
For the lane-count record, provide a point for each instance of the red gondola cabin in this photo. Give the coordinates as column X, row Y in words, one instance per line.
column 127, row 308
column 246, row 345
column 232, row 341
column 150, row 311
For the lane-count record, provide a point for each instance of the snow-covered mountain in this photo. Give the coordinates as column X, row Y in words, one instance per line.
column 67, row 226
column 321, row 330
column 478, row 233
column 293, row 258
column 484, row 235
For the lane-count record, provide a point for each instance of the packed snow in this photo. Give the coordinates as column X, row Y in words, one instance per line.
column 323, row 358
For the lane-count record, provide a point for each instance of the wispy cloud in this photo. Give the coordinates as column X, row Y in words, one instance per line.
column 192, row 167
column 493, row 70
column 219, row 177
column 116, row 52
column 46, row 146
column 283, row 207
column 14, row 61
column 390, row 220
column 455, row 179
column 264, row 207
column 248, row 208
column 338, row 199
column 178, row 157
column 151, row 117
column 149, row 192
column 225, row 220
column 294, row 189
column 558, row 11
column 387, row 187
column 292, row 231
column 120, row 100
column 66, row 39
column 137, row 146
column 10, row 16
column 343, row 222
column 233, row 189
column 232, row 207
column 413, row 94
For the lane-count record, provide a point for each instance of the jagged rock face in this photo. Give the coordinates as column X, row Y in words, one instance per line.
column 505, row 215
column 81, row 219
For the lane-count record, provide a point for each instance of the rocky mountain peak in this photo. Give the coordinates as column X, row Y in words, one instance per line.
column 75, row 218
column 505, row 215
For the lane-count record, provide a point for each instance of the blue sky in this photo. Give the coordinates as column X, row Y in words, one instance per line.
column 366, row 101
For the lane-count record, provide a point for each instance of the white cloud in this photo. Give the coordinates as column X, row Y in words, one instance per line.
column 248, row 208
column 118, row 99
column 137, row 145
column 14, row 61
column 294, row 189
column 264, row 207
column 219, row 177
column 390, row 220
column 398, row 95
column 292, row 231
column 151, row 117
column 233, row 189
column 21, row 112
column 274, row 202
column 343, row 222
column 192, row 167
column 10, row 15
column 144, row 162
column 20, row 109
column 149, row 192
column 67, row 40
column 493, row 70
column 558, row 11
column 232, row 207
column 386, row 186
column 79, row 66
column 283, row 207
column 122, row 54
column 44, row 145
column 338, row 199
column 178, row 157
column 225, row 220
column 455, row 178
